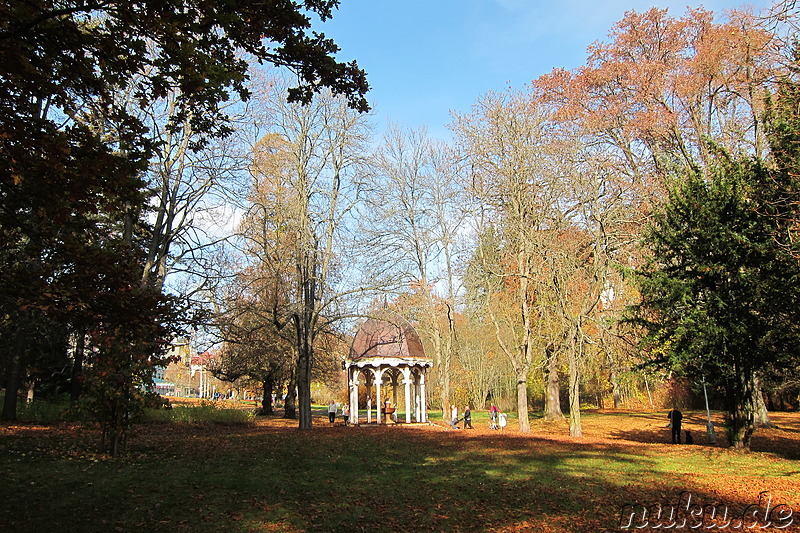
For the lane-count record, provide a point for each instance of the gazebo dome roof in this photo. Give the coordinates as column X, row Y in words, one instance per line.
column 387, row 335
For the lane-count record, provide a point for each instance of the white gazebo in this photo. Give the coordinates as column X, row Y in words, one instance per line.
column 387, row 353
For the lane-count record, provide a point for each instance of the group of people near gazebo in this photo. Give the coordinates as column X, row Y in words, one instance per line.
column 497, row 420
column 333, row 408
column 454, row 420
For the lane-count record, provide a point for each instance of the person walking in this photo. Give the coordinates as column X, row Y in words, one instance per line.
column 453, row 417
column 493, row 411
column 468, row 418
column 675, row 418
column 346, row 413
column 332, row 411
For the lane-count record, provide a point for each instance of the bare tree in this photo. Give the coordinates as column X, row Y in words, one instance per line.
column 305, row 185
column 414, row 219
column 581, row 276
column 187, row 183
column 189, row 180
column 505, row 143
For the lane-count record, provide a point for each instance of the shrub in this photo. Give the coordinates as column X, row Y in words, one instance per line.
column 46, row 412
column 205, row 413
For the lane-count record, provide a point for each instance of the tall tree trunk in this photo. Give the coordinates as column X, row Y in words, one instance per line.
column 268, row 384
column 14, row 371
column 760, row 408
column 304, row 388
column 447, row 352
column 522, row 401
column 76, row 375
column 304, row 328
column 443, row 374
column 740, row 423
column 739, row 427
column 574, row 391
column 616, row 392
column 552, row 389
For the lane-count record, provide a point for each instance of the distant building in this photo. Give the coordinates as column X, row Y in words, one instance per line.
column 162, row 385
column 181, row 349
column 189, row 374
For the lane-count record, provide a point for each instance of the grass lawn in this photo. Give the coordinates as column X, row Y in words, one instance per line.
column 268, row 476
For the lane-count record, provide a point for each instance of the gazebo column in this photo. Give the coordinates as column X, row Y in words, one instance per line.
column 423, row 395
column 417, row 400
column 407, row 382
column 369, row 379
column 394, row 392
column 378, row 401
column 353, row 396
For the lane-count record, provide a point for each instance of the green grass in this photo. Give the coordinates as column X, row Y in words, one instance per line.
column 203, row 413
column 45, row 412
column 244, row 477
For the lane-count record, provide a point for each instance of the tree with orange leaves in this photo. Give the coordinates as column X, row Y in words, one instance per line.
column 662, row 94
column 505, row 143
column 664, row 91
column 551, row 220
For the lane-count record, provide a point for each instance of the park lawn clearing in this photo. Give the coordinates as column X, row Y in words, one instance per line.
column 270, row 476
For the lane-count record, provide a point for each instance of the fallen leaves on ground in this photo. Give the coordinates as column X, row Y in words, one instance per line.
column 270, row 476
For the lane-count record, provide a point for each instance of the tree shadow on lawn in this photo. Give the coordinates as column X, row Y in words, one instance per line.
column 654, row 429
column 350, row 479
column 783, row 440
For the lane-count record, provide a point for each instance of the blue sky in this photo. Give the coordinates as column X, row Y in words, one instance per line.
column 425, row 58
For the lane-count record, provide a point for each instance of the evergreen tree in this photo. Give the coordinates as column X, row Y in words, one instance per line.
column 719, row 293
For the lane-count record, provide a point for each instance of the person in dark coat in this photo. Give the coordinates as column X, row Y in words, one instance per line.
column 675, row 418
column 468, row 419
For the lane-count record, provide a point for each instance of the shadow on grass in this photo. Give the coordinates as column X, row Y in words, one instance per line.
column 234, row 478
column 782, row 441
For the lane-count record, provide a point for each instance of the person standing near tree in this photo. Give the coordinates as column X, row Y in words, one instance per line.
column 468, row 418
column 346, row 413
column 332, row 411
column 675, row 418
